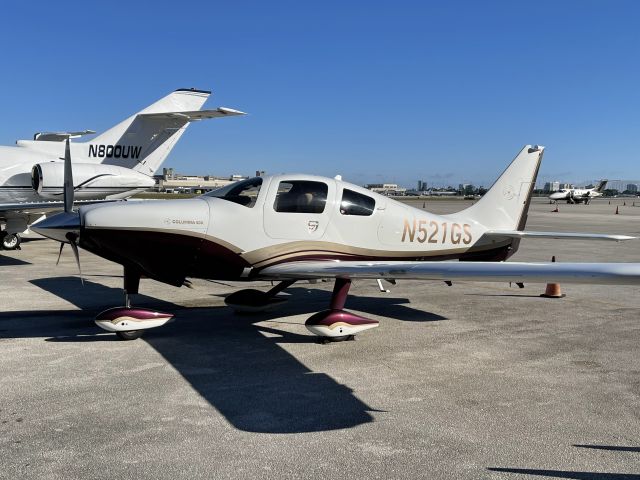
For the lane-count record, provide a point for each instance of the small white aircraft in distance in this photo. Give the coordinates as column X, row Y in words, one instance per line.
column 303, row 227
column 114, row 165
column 579, row 195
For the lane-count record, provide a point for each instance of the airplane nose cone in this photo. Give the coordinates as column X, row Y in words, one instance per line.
column 556, row 196
column 59, row 227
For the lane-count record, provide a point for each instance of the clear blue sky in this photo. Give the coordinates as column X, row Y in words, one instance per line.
column 444, row 91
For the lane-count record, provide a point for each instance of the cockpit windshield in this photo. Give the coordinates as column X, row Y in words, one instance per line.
column 244, row 192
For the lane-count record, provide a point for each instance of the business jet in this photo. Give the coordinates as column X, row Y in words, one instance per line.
column 295, row 227
column 579, row 195
column 114, row 165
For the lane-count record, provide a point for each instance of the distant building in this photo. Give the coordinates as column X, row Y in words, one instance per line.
column 386, row 188
column 632, row 187
column 466, row 188
column 422, row 186
column 551, row 187
column 619, row 185
column 172, row 182
column 566, row 186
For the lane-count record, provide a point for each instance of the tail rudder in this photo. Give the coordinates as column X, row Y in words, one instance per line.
column 600, row 187
column 506, row 203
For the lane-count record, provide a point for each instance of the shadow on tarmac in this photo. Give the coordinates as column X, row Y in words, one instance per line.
column 524, row 295
column 577, row 475
column 613, row 448
column 10, row 261
column 248, row 377
column 569, row 474
column 311, row 300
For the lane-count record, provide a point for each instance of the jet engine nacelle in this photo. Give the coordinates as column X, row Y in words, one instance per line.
column 91, row 180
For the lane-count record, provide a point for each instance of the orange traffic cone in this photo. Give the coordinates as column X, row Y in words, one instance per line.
column 555, row 210
column 624, row 204
column 553, row 289
column 617, row 212
column 424, row 204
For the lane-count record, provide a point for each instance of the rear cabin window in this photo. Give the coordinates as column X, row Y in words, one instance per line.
column 354, row 203
column 244, row 192
column 301, row 196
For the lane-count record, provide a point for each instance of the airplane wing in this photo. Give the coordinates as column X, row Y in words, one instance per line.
column 195, row 115
column 558, row 235
column 596, row 273
column 40, row 207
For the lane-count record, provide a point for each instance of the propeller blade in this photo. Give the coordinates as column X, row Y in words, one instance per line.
column 72, row 241
column 68, row 179
column 60, row 253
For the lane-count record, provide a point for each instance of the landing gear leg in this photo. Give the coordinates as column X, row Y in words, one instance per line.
column 131, row 285
column 337, row 324
column 130, row 323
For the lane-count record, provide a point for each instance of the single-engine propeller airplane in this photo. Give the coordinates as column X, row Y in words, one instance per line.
column 303, row 227
column 114, row 165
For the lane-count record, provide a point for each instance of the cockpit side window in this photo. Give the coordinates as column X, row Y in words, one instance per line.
column 301, row 196
column 244, row 192
column 354, row 203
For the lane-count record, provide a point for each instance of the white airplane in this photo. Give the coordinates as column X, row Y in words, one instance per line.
column 579, row 195
column 303, row 227
column 114, row 165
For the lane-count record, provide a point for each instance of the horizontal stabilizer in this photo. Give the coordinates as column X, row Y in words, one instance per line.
column 589, row 273
column 60, row 136
column 195, row 115
column 558, row 235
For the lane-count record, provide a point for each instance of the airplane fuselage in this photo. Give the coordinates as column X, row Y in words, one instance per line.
column 16, row 175
column 579, row 195
column 234, row 238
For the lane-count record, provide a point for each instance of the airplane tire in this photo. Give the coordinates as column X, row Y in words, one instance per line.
column 130, row 334
column 10, row 241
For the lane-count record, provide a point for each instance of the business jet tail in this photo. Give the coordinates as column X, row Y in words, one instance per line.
column 600, row 186
column 143, row 141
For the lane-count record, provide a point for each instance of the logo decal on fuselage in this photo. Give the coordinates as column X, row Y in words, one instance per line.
column 313, row 225
column 114, row 151
column 179, row 221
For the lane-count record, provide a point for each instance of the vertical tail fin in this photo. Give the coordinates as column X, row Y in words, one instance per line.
column 143, row 141
column 505, row 205
column 600, row 186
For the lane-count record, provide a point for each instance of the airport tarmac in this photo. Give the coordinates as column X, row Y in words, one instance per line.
column 476, row 380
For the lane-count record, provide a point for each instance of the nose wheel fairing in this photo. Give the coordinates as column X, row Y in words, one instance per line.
column 127, row 319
